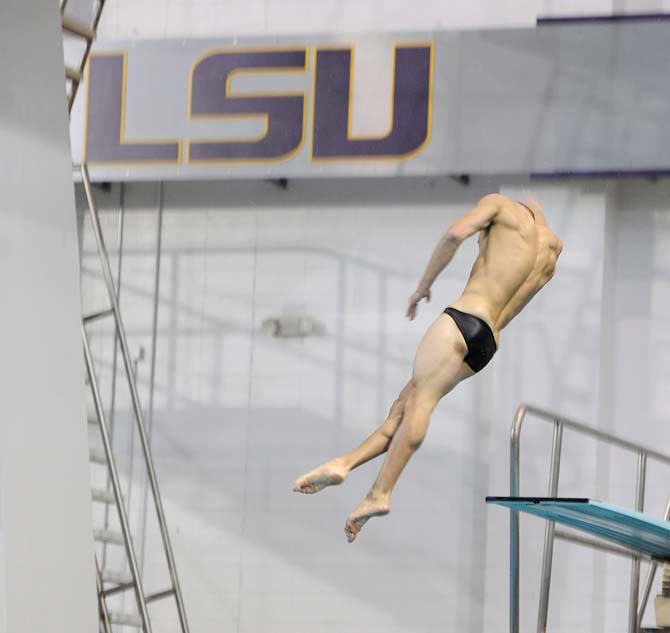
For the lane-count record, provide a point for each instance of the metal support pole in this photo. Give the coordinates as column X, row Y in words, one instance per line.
column 116, row 484
column 97, row 14
column 137, row 407
column 635, row 568
column 547, row 558
column 650, row 579
column 115, row 357
column 152, row 374
column 651, row 574
column 514, row 521
column 104, row 613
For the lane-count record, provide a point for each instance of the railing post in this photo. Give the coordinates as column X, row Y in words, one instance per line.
column 635, row 569
column 548, row 555
column 514, row 521
column 650, row 579
column 638, row 603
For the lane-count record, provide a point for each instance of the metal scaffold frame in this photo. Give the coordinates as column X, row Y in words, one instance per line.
column 86, row 32
column 135, row 582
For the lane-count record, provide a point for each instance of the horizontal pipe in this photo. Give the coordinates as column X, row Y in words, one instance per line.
column 98, row 315
column 77, row 28
column 153, row 597
column 72, row 74
column 126, row 586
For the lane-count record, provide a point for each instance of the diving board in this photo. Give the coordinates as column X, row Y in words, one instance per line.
column 622, row 526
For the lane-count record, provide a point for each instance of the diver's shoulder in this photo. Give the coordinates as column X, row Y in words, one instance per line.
column 550, row 240
column 497, row 200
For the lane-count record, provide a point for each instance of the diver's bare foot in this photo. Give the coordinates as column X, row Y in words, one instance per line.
column 370, row 507
column 329, row 474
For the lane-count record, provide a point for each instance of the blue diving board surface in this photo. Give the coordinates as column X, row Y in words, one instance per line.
column 622, row 526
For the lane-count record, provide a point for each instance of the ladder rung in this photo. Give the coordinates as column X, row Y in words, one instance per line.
column 108, row 536
column 78, row 28
column 103, row 496
column 125, row 619
column 72, row 74
column 92, row 420
column 112, row 591
column 116, row 577
column 159, row 595
column 97, row 456
column 98, row 315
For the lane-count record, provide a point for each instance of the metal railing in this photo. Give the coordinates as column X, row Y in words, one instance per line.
column 120, row 334
column 643, row 453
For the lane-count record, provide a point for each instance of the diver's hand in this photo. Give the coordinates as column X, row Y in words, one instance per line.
column 414, row 301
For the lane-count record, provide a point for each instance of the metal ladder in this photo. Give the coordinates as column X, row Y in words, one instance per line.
column 111, row 584
column 86, row 32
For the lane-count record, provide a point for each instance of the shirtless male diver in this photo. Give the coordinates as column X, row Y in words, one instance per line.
column 517, row 257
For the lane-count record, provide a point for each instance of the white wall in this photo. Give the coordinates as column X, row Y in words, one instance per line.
column 239, row 414
column 638, row 309
column 177, row 18
column 46, row 542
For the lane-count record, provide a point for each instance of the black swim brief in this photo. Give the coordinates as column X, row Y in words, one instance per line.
column 478, row 337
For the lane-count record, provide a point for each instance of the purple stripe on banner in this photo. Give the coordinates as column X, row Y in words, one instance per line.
column 594, row 19
column 607, row 173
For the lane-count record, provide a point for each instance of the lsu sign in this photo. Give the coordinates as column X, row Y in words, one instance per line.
column 196, row 106
column 510, row 101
